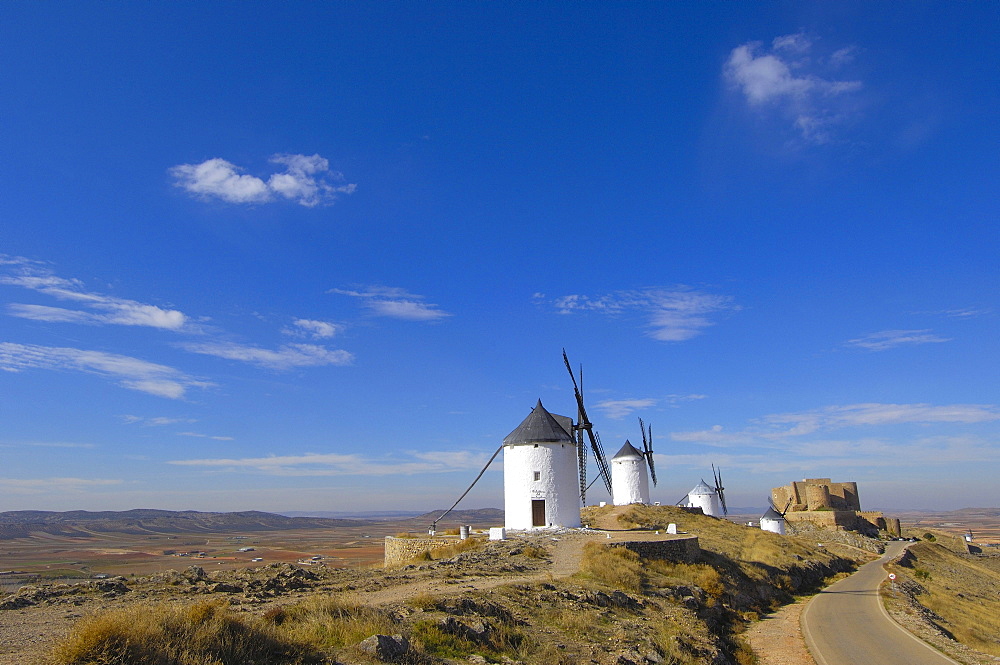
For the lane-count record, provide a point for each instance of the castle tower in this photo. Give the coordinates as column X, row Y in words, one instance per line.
column 541, row 478
column 706, row 498
column 818, row 497
column 629, row 479
column 773, row 521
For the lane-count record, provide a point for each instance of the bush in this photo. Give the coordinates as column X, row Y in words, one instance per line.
column 614, row 566
column 199, row 634
column 330, row 622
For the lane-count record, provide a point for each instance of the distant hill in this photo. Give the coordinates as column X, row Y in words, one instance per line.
column 378, row 515
column 22, row 523
column 476, row 517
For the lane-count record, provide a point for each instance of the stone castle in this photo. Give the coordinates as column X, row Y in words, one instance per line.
column 830, row 505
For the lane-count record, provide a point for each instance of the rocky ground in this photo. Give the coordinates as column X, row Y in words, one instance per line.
column 528, row 585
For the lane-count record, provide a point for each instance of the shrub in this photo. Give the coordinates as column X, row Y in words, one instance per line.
column 533, row 552
column 614, row 566
column 329, row 622
column 192, row 635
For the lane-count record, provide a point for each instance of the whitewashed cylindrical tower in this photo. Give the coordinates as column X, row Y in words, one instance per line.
column 706, row 498
column 773, row 521
column 541, row 478
column 629, row 479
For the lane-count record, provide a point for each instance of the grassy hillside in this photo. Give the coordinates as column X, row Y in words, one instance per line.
column 618, row 608
column 962, row 591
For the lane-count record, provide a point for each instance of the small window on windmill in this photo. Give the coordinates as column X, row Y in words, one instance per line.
column 538, row 475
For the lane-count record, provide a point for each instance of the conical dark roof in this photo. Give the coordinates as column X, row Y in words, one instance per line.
column 772, row 514
column 539, row 427
column 628, row 450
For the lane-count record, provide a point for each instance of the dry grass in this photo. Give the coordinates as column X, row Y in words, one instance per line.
column 330, row 622
column 533, row 552
column 615, row 567
column 199, row 634
column 962, row 589
column 696, row 574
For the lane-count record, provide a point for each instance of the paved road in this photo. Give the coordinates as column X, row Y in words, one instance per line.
column 845, row 624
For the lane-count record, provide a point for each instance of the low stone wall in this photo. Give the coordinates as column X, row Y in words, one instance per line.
column 675, row 549
column 399, row 551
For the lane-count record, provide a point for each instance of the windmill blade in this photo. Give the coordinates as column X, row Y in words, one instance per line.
column 585, row 424
column 647, row 449
column 581, row 451
column 788, row 505
column 720, row 490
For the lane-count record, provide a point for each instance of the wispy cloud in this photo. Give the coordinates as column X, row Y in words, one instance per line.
column 890, row 339
column 314, row 329
column 616, row 409
column 285, row 357
column 131, row 373
column 307, row 180
column 787, row 79
column 394, row 303
column 769, row 429
column 673, row 315
column 158, row 421
column 50, row 486
column 199, row 435
column 105, row 309
column 337, row 464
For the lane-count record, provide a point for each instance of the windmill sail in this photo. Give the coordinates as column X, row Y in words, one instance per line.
column 647, row 449
column 720, row 490
column 584, row 424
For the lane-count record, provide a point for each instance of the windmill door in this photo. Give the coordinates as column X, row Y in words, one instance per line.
column 538, row 512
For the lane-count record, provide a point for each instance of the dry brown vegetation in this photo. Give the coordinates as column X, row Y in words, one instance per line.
column 205, row 633
column 961, row 591
column 618, row 608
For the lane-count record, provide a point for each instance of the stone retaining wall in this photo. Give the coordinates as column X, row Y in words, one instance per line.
column 399, row 551
column 674, row 549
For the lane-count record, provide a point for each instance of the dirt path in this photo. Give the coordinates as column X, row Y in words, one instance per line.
column 777, row 639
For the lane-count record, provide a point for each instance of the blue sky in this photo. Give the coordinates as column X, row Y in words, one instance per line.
column 325, row 256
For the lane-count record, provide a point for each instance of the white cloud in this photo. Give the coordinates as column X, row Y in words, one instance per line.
column 109, row 309
column 286, row 357
column 673, row 315
column 314, row 329
column 199, row 435
column 337, row 464
column 890, row 339
column 51, row 486
column 131, row 373
column 616, row 409
column 307, row 180
column 787, row 81
column 875, row 414
column 158, row 421
column 772, row 430
column 394, row 303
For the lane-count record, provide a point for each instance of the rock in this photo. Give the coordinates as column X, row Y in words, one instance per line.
column 222, row 587
column 386, row 648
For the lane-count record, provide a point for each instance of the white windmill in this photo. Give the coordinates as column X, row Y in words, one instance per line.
column 712, row 501
column 629, row 466
column 541, row 473
column 773, row 520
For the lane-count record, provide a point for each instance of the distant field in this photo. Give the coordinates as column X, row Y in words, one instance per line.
column 79, row 553
column 983, row 522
